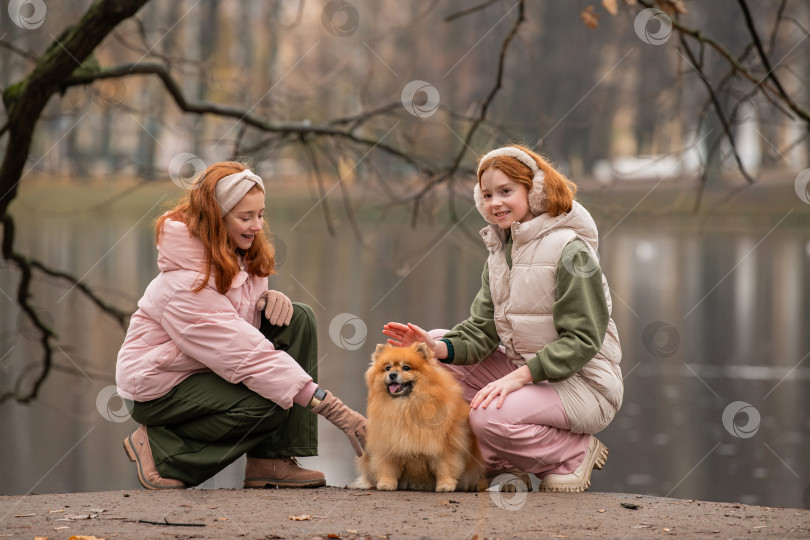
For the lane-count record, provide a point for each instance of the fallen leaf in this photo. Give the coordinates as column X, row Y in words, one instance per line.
column 75, row 537
column 601, row 511
column 361, row 494
column 55, row 511
column 590, row 17
column 640, row 526
column 666, row 529
column 631, row 506
column 61, row 528
column 301, row 517
column 24, row 515
column 352, row 531
column 610, row 6
column 333, row 535
column 222, row 519
column 760, row 526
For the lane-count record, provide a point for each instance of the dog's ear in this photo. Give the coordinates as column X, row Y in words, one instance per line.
column 378, row 351
column 423, row 350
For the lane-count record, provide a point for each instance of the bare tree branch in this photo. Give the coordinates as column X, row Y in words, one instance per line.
column 481, row 115
column 704, row 40
column 25, row 102
column 468, row 11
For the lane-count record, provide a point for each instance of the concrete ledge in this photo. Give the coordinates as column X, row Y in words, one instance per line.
column 335, row 512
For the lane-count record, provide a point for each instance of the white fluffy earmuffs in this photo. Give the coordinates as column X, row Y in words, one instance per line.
column 538, row 202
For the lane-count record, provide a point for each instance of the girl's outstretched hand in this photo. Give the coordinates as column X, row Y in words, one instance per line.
column 405, row 335
column 502, row 387
column 278, row 309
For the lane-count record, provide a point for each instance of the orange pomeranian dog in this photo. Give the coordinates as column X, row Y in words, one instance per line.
column 419, row 433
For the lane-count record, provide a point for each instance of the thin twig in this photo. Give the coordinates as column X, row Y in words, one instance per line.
column 468, row 11
column 165, row 522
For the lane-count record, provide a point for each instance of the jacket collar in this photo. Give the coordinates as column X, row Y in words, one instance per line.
column 578, row 219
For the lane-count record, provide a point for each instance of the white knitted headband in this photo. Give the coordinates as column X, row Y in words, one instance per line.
column 538, row 202
column 231, row 189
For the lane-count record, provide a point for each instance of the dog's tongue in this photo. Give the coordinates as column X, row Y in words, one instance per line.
column 394, row 387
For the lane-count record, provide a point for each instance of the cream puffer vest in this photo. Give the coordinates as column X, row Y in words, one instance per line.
column 524, row 296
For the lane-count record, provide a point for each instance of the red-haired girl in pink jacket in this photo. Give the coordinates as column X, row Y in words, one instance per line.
column 213, row 362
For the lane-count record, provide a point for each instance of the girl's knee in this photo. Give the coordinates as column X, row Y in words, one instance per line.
column 483, row 426
column 303, row 315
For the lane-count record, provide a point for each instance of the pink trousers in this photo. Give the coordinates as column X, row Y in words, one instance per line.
column 530, row 431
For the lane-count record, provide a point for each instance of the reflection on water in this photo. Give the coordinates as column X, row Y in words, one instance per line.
column 712, row 324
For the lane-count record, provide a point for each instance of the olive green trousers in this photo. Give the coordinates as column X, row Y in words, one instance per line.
column 205, row 423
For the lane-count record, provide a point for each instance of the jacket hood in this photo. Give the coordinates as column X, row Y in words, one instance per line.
column 578, row 219
column 179, row 250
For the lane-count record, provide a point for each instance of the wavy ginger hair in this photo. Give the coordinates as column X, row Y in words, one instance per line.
column 559, row 190
column 201, row 213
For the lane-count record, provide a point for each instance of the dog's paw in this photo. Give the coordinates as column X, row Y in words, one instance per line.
column 447, row 485
column 387, row 485
column 360, row 483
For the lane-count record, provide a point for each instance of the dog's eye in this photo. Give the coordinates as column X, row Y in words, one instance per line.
column 406, row 368
column 387, row 368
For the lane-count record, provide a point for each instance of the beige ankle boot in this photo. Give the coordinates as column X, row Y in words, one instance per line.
column 580, row 478
column 280, row 473
column 138, row 450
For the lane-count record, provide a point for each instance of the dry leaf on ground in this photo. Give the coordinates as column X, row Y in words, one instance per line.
column 301, row 517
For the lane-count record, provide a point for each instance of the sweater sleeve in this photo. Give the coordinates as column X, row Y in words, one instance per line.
column 476, row 338
column 205, row 326
column 580, row 316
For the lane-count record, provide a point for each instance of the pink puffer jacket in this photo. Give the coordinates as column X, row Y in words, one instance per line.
column 176, row 332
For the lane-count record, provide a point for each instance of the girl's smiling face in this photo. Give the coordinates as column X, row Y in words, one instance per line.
column 245, row 220
column 505, row 200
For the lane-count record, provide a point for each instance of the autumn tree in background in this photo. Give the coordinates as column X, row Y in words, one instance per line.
column 323, row 90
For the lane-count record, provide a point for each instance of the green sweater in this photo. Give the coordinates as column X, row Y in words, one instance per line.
column 580, row 316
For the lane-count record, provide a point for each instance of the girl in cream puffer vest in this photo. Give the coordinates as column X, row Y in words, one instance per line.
column 538, row 358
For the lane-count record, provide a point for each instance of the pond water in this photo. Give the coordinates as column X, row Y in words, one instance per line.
column 713, row 323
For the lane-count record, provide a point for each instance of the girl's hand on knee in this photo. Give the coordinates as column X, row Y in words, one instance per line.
column 501, row 388
column 278, row 309
column 402, row 335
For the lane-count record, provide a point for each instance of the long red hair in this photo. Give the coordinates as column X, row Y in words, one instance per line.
column 201, row 213
column 560, row 190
